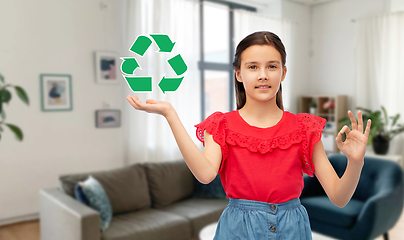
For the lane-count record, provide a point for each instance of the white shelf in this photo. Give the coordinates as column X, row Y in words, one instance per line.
column 338, row 112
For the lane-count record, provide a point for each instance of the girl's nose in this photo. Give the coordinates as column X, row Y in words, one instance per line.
column 263, row 76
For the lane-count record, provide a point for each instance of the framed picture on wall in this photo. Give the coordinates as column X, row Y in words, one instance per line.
column 105, row 67
column 56, row 92
column 108, row 118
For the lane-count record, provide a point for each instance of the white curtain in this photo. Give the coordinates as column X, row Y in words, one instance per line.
column 149, row 136
column 247, row 22
column 379, row 64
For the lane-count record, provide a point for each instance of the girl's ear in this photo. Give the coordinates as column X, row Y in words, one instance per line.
column 284, row 73
column 238, row 75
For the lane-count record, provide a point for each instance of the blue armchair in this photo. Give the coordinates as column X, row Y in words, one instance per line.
column 374, row 208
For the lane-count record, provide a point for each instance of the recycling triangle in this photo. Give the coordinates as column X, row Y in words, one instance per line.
column 145, row 83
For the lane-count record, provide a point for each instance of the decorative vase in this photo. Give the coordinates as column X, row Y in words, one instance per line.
column 380, row 145
column 313, row 110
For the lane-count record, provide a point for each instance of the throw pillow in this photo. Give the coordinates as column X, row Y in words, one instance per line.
column 212, row 190
column 80, row 196
column 126, row 187
column 98, row 200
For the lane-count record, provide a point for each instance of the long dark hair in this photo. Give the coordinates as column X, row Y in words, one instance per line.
column 257, row 38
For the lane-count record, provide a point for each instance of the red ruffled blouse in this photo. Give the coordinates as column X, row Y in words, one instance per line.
column 264, row 164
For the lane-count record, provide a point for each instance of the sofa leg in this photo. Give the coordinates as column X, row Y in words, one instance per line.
column 386, row 236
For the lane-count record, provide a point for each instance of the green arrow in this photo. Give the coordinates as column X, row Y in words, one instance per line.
column 141, row 44
column 178, row 64
column 170, row 84
column 163, row 42
column 129, row 65
column 139, row 84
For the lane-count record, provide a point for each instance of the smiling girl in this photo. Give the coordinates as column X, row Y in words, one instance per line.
column 262, row 151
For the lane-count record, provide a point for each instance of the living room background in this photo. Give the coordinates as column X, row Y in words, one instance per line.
column 61, row 37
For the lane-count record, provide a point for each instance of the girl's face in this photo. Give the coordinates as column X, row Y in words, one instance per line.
column 261, row 72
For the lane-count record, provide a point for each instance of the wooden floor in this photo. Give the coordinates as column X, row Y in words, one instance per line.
column 20, row 231
column 30, row 231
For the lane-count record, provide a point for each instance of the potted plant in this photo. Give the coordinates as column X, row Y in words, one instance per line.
column 312, row 107
column 5, row 97
column 383, row 128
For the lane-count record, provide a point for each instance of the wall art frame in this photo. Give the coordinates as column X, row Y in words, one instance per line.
column 106, row 70
column 56, row 92
column 108, row 118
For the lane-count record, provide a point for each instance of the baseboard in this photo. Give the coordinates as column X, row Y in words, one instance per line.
column 24, row 218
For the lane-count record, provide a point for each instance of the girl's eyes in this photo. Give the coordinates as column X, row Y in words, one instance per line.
column 252, row 67
column 255, row 67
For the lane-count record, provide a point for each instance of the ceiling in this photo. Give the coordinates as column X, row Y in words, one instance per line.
column 311, row 2
column 306, row 2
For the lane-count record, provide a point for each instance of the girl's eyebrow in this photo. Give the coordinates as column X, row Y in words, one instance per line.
column 252, row 62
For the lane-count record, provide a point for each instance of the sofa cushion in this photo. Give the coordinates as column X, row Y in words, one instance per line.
column 169, row 182
column 322, row 209
column 126, row 187
column 200, row 212
column 149, row 224
column 97, row 199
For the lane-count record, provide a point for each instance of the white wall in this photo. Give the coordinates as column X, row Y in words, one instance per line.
column 299, row 64
column 55, row 36
column 396, row 5
column 272, row 8
column 332, row 63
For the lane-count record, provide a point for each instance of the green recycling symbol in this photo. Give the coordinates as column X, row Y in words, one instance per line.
column 144, row 84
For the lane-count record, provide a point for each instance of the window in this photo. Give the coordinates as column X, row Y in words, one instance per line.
column 216, row 32
column 217, row 52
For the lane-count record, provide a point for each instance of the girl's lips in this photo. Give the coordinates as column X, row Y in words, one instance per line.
column 264, row 87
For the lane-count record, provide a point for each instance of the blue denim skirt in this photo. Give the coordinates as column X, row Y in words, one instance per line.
column 254, row 220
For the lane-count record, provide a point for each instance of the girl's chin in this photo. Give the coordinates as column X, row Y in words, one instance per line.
column 266, row 98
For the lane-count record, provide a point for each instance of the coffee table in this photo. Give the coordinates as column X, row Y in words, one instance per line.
column 208, row 232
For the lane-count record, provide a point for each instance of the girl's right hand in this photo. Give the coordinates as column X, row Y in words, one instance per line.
column 151, row 106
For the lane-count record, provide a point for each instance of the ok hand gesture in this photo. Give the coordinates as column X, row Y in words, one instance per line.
column 354, row 147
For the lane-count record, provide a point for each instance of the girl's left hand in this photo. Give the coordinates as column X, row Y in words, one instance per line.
column 354, row 147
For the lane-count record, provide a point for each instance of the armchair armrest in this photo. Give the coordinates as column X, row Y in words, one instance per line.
column 381, row 212
column 63, row 218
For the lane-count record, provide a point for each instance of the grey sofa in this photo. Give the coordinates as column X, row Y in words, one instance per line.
column 150, row 201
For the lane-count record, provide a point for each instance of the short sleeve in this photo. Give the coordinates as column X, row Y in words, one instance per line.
column 311, row 127
column 216, row 125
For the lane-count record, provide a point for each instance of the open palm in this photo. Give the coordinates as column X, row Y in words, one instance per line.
column 354, row 147
column 151, row 106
